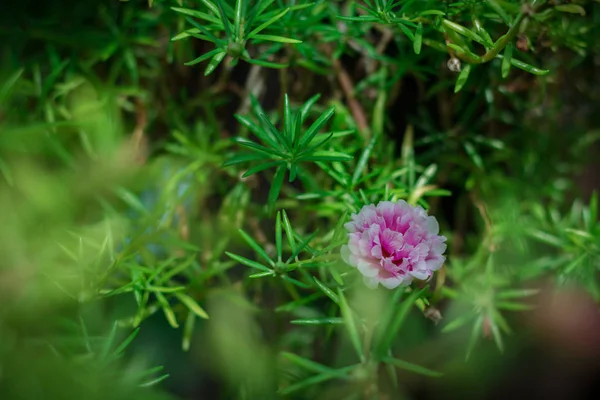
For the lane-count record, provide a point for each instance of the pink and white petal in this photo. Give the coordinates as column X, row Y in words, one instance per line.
column 438, row 247
column 420, row 265
column 432, row 225
column 367, row 268
column 351, row 227
column 391, row 240
column 392, row 283
column 420, row 274
column 386, row 210
column 435, row 263
column 376, row 251
column 420, row 251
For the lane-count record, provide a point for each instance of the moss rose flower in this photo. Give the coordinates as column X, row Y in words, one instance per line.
column 393, row 243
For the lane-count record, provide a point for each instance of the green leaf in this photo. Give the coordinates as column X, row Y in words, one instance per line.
column 108, row 342
column 257, row 147
column 238, row 19
column 276, row 185
column 165, row 289
column 473, row 155
column 527, row 67
column 267, row 23
column 167, row 310
column 206, row 32
column 506, row 62
column 593, row 207
column 199, row 15
column 9, row 84
column 288, row 122
column 327, row 291
column 426, row 176
column 457, row 323
column 242, row 158
column 278, row 236
column 326, row 156
column 274, row 132
column 289, row 232
column 262, row 167
column 493, row 4
column 295, row 282
column 262, row 274
column 193, row 32
column 305, row 109
column 211, row 6
column 462, row 78
column 317, row 321
column 362, row 18
column 472, row 57
column 315, row 127
column 406, row 31
column 192, row 305
column 125, row 343
column 248, row 263
column 274, row 38
column 341, row 373
column 266, row 64
column 500, row 321
column 265, row 135
column 214, row 63
column 418, row 42
column 362, row 161
column 350, row 323
column 316, row 144
column 131, row 200
column 259, row 250
column 226, row 23
column 188, row 330
column 546, row 238
column 155, row 381
column 302, row 246
column 391, row 331
column 496, row 334
column 432, row 12
column 517, row 293
column 411, row 367
column 475, row 334
column 463, row 31
column 571, row 8
column 512, row 306
column 307, row 364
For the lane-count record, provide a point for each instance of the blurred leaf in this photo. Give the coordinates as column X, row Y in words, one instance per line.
column 192, row 305
column 411, row 367
column 249, row 263
column 462, row 78
column 571, row 8
column 350, row 325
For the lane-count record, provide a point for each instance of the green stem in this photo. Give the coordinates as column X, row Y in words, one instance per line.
column 503, row 41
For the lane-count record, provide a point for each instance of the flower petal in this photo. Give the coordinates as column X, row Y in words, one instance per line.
column 393, row 243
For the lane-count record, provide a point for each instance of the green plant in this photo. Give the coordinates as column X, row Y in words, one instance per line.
column 201, row 215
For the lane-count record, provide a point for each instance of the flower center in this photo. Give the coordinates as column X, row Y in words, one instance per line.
column 385, row 253
column 397, row 261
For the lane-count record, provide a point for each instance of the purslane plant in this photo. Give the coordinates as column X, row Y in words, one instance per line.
column 437, row 107
column 230, row 29
column 288, row 147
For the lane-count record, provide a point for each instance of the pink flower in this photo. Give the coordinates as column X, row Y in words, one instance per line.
column 393, row 243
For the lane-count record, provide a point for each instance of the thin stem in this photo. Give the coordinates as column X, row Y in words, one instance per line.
column 503, row 41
